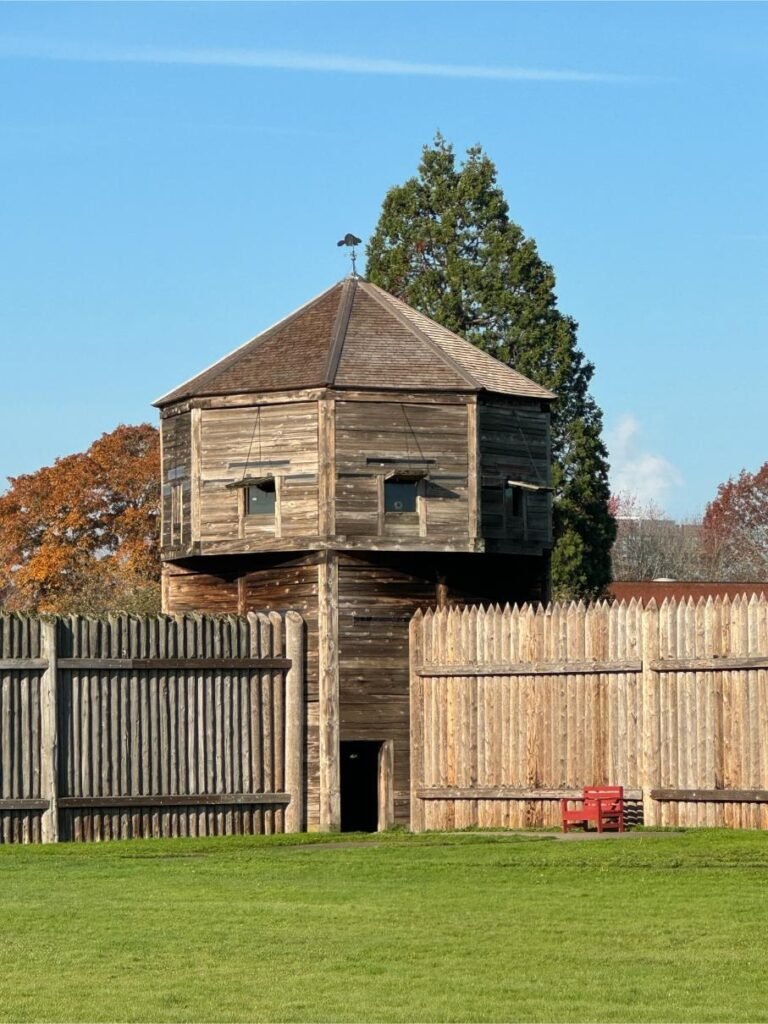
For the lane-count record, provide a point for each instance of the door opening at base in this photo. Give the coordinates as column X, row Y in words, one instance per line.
column 366, row 785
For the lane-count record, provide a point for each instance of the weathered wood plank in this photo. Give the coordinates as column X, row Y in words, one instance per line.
column 160, row 664
column 151, row 800
column 722, row 664
column 693, row 700
column 542, row 668
column 750, row 796
column 328, row 629
column 507, row 793
column 49, row 739
column 294, row 722
column 31, row 804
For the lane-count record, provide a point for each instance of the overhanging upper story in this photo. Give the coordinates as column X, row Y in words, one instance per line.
column 356, row 423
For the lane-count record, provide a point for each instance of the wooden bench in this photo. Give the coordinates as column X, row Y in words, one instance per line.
column 602, row 804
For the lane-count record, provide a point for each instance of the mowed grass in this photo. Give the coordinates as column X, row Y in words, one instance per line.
column 399, row 928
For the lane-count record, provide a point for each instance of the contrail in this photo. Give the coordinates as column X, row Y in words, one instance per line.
column 286, row 60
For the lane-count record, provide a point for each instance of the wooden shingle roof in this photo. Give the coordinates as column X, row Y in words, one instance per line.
column 356, row 335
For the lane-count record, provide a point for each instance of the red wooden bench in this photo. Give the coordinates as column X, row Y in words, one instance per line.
column 602, row 804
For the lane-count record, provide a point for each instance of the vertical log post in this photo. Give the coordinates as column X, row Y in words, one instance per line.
column 294, row 722
column 474, row 526
column 651, row 735
column 196, row 447
column 49, row 754
column 417, row 725
column 386, row 817
column 326, row 428
column 328, row 703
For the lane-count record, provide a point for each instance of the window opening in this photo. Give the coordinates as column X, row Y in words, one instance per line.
column 514, row 500
column 400, row 494
column 516, row 494
column 260, row 497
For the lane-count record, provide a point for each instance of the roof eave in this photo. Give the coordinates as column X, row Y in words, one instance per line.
column 173, row 395
column 544, row 395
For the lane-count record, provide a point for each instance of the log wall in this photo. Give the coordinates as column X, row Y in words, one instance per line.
column 514, row 444
column 280, row 440
column 176, row 509
column 371, row 598
column 512, row 710
column 434, row 435
column 330, row 456
column 22, row 785
column 280, row 583
column 376, row 601
column 127, row 727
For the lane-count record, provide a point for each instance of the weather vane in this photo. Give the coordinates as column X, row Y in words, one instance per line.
column 351, row 240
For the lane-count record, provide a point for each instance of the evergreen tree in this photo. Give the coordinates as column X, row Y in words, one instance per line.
column 445, row 244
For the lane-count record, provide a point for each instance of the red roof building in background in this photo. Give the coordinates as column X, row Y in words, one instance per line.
column 660, row 590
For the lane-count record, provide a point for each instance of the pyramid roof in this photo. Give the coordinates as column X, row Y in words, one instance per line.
column 356, row 335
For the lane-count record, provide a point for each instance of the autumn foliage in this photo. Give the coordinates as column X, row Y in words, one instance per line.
column 736, row 527
column 82, row 535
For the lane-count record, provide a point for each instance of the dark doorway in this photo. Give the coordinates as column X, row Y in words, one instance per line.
column 360, row 786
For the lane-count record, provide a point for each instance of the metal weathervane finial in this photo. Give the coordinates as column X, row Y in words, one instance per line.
column 352, row 241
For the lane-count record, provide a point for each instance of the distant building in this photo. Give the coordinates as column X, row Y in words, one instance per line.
column 660, row 590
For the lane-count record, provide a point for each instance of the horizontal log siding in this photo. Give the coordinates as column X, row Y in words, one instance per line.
column 514, row 443
column 284, row 433
column 402, row 430
column 646, row 705
column 376, row 602
column 176, row 475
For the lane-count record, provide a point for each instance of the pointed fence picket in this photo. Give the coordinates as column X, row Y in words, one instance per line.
column 514, row 708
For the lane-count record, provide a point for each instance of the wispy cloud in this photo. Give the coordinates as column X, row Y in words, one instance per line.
column 635, row 470
column 287, row 60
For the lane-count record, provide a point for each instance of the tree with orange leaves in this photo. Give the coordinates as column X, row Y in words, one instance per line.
column 82, row 535
column 736, row 527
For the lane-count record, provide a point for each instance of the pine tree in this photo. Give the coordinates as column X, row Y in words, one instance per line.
column 445, row 244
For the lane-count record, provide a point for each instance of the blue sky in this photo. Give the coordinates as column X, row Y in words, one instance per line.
column 173, row 178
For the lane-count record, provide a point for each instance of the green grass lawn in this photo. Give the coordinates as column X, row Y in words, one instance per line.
column 396, row 928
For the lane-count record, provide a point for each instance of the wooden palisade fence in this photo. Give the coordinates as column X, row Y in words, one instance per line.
column 512, row 709
column 162, row 726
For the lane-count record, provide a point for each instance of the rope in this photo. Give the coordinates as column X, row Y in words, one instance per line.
column 413, row 434
column 528, row 448
column 256, row 426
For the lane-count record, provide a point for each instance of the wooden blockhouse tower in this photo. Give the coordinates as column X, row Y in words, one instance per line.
column 355, row 462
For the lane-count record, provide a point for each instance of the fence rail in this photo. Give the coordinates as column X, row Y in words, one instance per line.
column 161, row 726
column 513, row 709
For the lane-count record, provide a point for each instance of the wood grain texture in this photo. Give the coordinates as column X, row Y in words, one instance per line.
column 49, row 745
column 295, row 701
column 328, row 693
column 281, row 440
column 158, row 726
column 654, row 699
column 324, row 455
column 514, row 443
